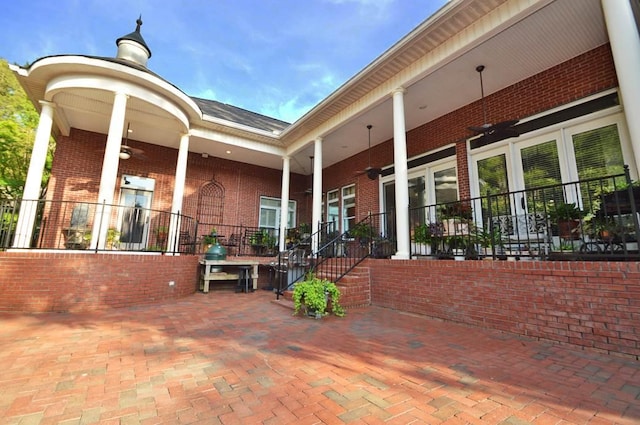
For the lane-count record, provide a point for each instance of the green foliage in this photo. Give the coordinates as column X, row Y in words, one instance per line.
column 362, row 230
column 565, row 211
column 18, row 121
column 211, row 238
column 315, row 295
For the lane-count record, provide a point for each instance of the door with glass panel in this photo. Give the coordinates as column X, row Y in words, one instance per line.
column 136, row 194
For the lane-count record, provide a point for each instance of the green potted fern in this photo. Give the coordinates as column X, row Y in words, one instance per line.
column 314, row 296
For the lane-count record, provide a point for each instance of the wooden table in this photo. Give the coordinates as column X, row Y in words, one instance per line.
column 213, row 270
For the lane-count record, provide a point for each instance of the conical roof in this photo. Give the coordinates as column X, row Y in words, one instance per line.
column 136, row 38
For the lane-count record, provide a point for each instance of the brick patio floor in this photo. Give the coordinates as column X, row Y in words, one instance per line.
column 227, row 358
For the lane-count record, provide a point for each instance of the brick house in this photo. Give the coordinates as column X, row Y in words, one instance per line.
column 565, row 72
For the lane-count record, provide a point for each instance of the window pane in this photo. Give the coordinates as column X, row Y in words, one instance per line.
column 348, row 214
column 446, row 185
column 541, row 167
column 598, row 152
column 417, row 200
column 492, row 175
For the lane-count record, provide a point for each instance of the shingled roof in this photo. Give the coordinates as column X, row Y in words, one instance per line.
column 238, row 115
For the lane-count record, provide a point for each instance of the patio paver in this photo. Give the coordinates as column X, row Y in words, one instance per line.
column 227, row 358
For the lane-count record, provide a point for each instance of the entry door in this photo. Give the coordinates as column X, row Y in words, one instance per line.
column 135, row 204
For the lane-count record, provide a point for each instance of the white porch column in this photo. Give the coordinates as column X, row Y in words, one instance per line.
column 401, row 172
column 178, row 193
column 316, row 211
column 109, row 172
column 625, row 46
column 32, row 186
column 284, row 202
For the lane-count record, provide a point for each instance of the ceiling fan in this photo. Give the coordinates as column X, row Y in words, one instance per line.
column 493, row 132
column 127, row 151
column 371, row 172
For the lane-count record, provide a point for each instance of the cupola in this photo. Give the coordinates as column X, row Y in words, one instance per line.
column 132, row 47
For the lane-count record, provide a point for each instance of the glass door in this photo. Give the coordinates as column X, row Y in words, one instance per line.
column 136, row 194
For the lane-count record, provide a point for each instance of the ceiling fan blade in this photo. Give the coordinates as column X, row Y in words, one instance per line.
column 505, row 124
column 479, row 129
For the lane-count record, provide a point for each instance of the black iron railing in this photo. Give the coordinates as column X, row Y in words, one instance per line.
column 41, row 224
column 591, row 219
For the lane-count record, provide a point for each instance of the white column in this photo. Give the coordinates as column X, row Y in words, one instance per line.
column 316, row 211
column 178, row 193
column 32, row 186
column 284, row 202
column 109, row 172
column 625, row 46
column 401, row 174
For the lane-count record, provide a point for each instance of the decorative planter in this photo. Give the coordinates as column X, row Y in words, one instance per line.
column 420, row 248
column 569, row 229
column 455, row 227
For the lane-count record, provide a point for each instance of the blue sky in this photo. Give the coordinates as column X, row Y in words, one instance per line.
column 277, row 58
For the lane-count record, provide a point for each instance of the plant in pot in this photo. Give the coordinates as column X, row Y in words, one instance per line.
column 456, row 217
column 423, row 238
column 161, row 234
column 316, row 296
column 362, row 234
column 567, row 215
column 211, row 238
column 113, row 238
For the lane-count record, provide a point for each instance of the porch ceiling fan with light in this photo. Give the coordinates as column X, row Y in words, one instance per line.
column 127, row 151
column 371, row 172
column 492, row 132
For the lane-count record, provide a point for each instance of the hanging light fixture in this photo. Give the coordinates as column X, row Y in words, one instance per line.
column 125, row 152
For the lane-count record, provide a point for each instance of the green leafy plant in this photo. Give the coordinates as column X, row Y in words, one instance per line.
column 211, row 238
column 362, row 230
column 422, row 233
column 113, row 238
column 315, row 295
column 565, row 211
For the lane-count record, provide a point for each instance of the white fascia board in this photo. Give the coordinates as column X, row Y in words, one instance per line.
column 67, row 81
column 227, row 139
column 102, row 68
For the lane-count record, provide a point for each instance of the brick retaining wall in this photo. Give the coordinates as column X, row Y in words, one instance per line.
column 46, row 281
column 589, row 304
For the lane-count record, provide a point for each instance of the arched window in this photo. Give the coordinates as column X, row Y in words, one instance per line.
column 211, row 203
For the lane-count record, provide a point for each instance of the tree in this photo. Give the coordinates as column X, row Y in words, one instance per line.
column 18, row 122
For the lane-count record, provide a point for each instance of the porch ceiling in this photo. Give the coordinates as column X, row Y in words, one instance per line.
column 547, row 34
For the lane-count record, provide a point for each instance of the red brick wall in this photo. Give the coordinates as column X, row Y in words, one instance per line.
column 243, row 184
column 38, row 281
column 589, row 304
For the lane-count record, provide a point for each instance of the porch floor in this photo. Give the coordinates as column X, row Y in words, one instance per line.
column 238, row 358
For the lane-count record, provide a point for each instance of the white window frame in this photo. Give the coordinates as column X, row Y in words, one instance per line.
column 291, row 217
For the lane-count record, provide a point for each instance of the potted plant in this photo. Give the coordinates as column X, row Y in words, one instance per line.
column 423, row 238
column 456, row 217
column 211, row 238
column 567, row 215
column 113, row 238
column 361, row 234
column 314, row 296
column 161, row 234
